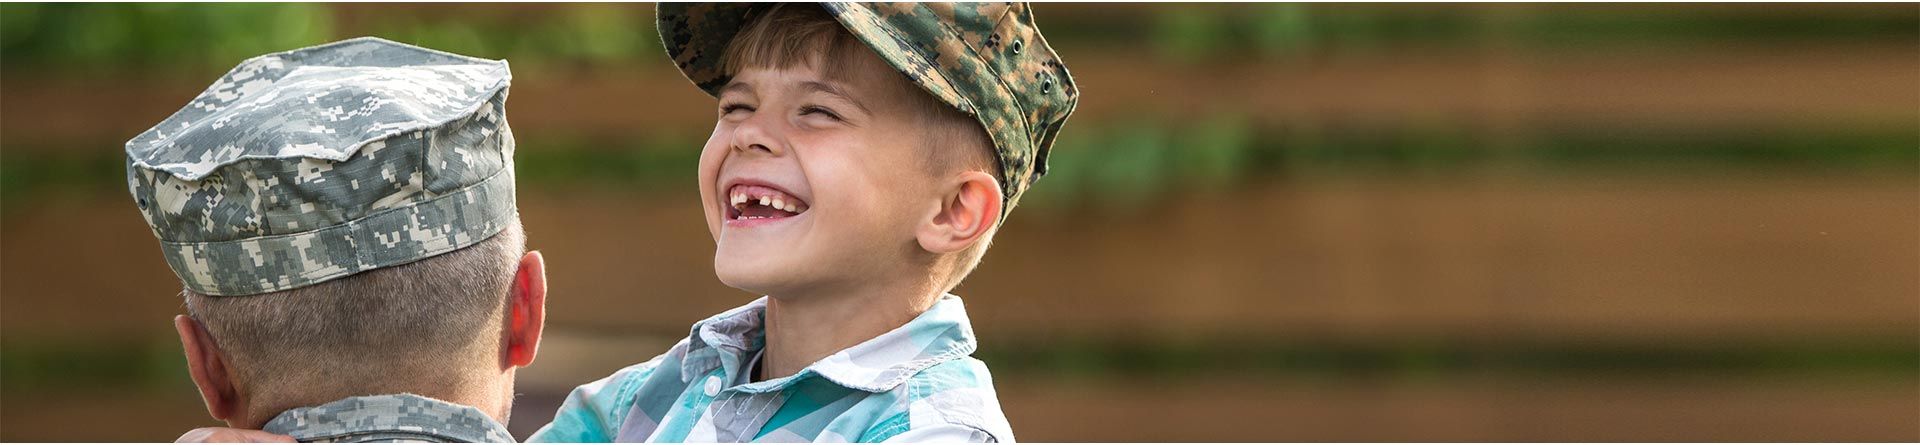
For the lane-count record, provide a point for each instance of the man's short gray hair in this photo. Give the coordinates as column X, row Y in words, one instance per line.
column 419, row 327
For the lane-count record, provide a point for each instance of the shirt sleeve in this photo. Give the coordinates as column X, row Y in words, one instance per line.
column 943, row 433
column 593, row 412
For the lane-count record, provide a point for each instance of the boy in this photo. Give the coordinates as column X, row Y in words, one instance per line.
column 864, row 156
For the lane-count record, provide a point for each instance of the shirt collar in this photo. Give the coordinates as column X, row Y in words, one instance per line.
column 393, row 416
column 727, row 341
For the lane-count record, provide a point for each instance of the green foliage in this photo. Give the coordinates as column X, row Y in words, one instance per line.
column 161, row 36
column 194, row 39
column 173, row 37
column 32, row 175
column 1644, row 25
column 158, row 365
column 1189, row 34
column 1285, row 28
column 665, row 163
column 1125, row 164
column 28, row 365
column 1192, row 33
column 1429, row 359
column 573, row 35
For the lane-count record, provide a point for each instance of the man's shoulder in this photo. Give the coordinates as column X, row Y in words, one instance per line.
column 389, row 418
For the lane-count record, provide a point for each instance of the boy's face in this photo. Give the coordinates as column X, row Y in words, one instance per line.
column 837, row 163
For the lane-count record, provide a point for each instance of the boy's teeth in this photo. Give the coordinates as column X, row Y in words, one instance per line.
column 741, row 200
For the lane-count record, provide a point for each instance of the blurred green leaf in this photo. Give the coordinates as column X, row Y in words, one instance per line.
column 1188, row 34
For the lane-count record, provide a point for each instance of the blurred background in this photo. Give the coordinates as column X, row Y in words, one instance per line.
column 1266, row 222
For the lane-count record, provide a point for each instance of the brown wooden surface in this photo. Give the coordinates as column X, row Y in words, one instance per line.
column 1759, row 257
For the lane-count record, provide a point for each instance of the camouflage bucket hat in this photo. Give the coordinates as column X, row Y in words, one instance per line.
column 308, row 165
column 987, row 60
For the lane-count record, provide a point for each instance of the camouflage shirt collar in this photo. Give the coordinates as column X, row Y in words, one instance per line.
column 389, row 418
column 730, row 340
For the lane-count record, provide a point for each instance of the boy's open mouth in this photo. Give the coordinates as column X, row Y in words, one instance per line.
column 755, row 202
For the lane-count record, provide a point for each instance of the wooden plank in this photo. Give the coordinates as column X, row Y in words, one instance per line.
column 1605, row 258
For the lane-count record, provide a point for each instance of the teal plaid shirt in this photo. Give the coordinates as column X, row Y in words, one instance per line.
column 915, row 383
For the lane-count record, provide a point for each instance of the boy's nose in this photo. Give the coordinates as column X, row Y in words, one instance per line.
column 755, row 135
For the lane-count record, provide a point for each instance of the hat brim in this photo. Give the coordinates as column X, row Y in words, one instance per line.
column 696, row 36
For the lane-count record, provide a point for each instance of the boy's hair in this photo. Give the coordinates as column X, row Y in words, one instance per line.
column 788, row 35
column 419, row 327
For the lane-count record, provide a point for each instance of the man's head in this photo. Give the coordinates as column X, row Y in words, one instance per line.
column 343, row 220
column 867, row 171
column 453, row 327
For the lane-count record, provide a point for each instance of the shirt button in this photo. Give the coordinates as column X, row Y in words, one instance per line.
column 713, row 386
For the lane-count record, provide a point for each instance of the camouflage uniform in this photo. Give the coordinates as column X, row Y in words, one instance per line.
column 314, row 164
column 388, row 418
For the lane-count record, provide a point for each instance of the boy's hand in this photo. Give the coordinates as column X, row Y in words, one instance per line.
column 215, row 434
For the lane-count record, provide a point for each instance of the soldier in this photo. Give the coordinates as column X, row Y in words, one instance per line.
column 343, row 219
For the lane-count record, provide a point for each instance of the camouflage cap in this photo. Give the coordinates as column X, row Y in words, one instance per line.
column 308, row 165
column 987, row 60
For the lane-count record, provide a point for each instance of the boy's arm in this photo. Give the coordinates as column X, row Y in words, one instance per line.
column 593, row 412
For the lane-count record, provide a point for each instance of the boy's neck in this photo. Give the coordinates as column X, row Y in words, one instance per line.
column 803, row 330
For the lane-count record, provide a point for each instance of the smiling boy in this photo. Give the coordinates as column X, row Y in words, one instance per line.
column 863, row 158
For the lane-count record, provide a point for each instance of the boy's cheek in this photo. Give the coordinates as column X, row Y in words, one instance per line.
column 708, row 175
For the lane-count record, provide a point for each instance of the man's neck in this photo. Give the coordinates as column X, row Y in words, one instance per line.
column 483, row 394
column 803, row 330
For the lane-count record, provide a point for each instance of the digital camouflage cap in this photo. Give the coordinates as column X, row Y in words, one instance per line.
column 987, row 60
column 308, row 165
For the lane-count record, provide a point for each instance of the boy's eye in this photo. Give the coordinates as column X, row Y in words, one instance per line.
column 726, row 109
column 810, row 109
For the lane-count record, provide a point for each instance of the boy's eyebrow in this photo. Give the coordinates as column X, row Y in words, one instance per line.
column 743, row 87
column 814, row 85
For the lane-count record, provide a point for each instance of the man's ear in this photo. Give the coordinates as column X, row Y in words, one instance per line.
column 968, row 210
column 526, row 311
column 208, row 366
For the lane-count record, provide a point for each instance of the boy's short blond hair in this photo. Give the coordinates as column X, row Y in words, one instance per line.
column 789, row 35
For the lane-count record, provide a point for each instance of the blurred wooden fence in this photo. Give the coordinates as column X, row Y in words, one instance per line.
column 1511, row 223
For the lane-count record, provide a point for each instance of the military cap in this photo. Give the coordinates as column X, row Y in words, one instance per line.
column 987, row 60
column 313, row 164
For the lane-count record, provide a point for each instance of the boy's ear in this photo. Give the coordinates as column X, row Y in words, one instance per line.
column 208, row 366
column 526, row 312
column 969, row 209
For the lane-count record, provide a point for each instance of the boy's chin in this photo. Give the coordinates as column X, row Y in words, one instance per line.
column 758, row 276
